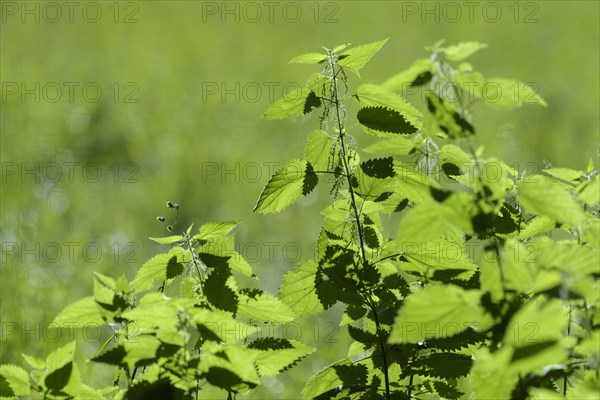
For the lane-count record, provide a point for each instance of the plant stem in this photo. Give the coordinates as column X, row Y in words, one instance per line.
column 412, row 375
column 565, row 381
column 383, row 351
column 344, row 156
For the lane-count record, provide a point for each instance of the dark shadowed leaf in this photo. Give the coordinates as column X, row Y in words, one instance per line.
column 385, row 120
column 379, row 167
column 218, row 293
column 57, row 380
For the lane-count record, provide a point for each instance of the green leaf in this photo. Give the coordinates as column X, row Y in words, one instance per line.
column 445, row 365
column 239, row 264
column 294, row 180
column 219, row 291
column 537, row 321
column 398, row 146
column 538, row 225
column 58, row 379
column 442, row 259
column 82, row 313
column 157, row 311
column 434, row 312
column 430, row 221
column 472, row 82
column 546, row 394
column 541, row 196
column 570, row 257
column 370, row 187
column 369, row 95
column 565, row 174
column 34, row 362
column 86, row 392
column 380, row 168
column 141, row 350
column 60, row 357
column 298, row 289
column 590, row 192
column 586, row 388
column 167, row 239
column 309, row 58
column 490, row 278
column 463, row 50
column 5, row 388
column 341, row 47
column 160, row 389
column 448, row 118
column 356, row 58
column 590, row 235
column 318, row 151
column 277, row 355
column 320, row 84
column 362, row 336
column 510, row 93
column 534, row 332
column 223, row 325
column 537, row 356
column 410, row 76
column 219, row 252
column 412, row 184
column 447, row 391
column 17, row 380
column 491, row 374
column 382, row 119
column 297, row 102
column 453, row 154
column 104, row 289
column 264, row 307
column 212, row 230
column 336, row 374
column 112, row 356
column 220, row 364
column 155, row 269
column 373, row 236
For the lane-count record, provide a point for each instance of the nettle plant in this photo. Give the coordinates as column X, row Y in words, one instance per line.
column 486, row 287
column 181, row 324
column 515, row 317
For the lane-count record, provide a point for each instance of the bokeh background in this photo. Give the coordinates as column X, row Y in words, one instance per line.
column 109, row 109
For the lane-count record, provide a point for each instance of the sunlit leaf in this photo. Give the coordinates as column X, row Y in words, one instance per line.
column 463, row 50
column 291, row 182
column 356, row 57
column 309, row 58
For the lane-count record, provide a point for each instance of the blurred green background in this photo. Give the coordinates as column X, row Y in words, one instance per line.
column 109, row 109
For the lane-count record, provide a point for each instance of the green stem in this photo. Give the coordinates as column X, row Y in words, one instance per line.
column 500, row 267
column 117, row 377
column 383, row 351
column 565, row 381
column 344, row 156
column 190, row 247
column 412, row 375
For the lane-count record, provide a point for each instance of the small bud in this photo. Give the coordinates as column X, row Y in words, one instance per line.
column 170, row 228
column 176, row 206
column 161, row 219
